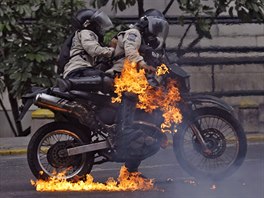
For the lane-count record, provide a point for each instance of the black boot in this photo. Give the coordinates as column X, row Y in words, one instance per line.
column 132, row 167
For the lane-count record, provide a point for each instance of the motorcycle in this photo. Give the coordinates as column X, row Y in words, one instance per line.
column 210, row 142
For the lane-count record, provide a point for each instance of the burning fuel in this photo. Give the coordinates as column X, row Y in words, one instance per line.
column 213, row 187
column 190, row 181
column 125, row 182
column 150, row 98
column 162, row 69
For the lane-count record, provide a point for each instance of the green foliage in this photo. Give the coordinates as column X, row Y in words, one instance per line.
column 250, row 9
column 116, row 4
column 246, row 10
column 2, row 86
column 203, row 27
column 113, row 32
column 2, row 83
column 31, row 33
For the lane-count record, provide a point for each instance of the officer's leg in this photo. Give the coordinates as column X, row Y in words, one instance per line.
column 126, row 113
column 126, row 134
column 133, row 144
column 132, row 165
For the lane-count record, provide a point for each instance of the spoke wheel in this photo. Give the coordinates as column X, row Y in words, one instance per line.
column 215, row 141
column 223, row 136
column 47, row 151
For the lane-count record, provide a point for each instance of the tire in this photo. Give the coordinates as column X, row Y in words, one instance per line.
column 44, row 146
column 225, row 137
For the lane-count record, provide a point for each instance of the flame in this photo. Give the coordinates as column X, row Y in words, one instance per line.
column 190, row 181
column 130, row 80
column 150, row 98
column 125, row 182
column 161, row 70
column 213, row 187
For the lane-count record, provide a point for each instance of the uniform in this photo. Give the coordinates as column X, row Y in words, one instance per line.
column 85, row 43
column 128, row 44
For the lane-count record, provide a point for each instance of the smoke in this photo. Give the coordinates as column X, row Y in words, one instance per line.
column 246, row 182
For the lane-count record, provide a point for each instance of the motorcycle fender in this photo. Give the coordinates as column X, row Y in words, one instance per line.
column 25, row 108
column 203, row 99
column 28, row 100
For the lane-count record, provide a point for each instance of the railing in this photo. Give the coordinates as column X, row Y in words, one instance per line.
column 186, row 20
column 227, row 61
column 233, row 93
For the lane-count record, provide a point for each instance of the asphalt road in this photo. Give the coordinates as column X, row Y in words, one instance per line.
column 246, row 182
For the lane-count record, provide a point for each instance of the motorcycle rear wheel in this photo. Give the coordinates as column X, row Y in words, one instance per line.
column 45, row 147
column 225, row 138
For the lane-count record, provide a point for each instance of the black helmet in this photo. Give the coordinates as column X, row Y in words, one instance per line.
column 97, row 21
column 154, row 27
column 153, row 12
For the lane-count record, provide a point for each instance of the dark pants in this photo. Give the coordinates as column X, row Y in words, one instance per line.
column 126, row 118
column 83, row 72
column 131, row 139
column 124, row 131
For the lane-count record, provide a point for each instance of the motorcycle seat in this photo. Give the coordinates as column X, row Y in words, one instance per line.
column 93, row 83
column 64, row 85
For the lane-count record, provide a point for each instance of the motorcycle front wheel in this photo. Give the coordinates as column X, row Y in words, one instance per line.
column 45, row 152
column 223, row 136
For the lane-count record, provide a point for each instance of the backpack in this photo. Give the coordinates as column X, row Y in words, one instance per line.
column 64, row 55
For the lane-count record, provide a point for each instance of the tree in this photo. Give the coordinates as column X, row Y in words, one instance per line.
column 204, row 13
column 120, row 4
column 31, row 32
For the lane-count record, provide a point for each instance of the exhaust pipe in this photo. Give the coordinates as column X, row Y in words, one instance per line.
column 84, row 114
column 55, row 103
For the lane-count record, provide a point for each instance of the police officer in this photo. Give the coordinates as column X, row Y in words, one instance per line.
column 151, row 30
column 86, row 48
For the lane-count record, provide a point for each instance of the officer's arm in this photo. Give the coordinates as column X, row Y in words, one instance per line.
column 132, row 42
column 92, row 47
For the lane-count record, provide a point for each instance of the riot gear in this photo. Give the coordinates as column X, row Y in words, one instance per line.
column 96, row 21
column 85, row 46
column 154, row 28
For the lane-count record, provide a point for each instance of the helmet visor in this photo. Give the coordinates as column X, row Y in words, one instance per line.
column 158, row 27
column 102, row 20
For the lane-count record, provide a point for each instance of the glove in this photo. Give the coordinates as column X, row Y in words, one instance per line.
column 113, row 43
column 149, row 69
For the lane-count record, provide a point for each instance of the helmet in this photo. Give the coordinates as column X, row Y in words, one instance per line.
column 97, row 21
column 153, row 12
column 154, row 27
